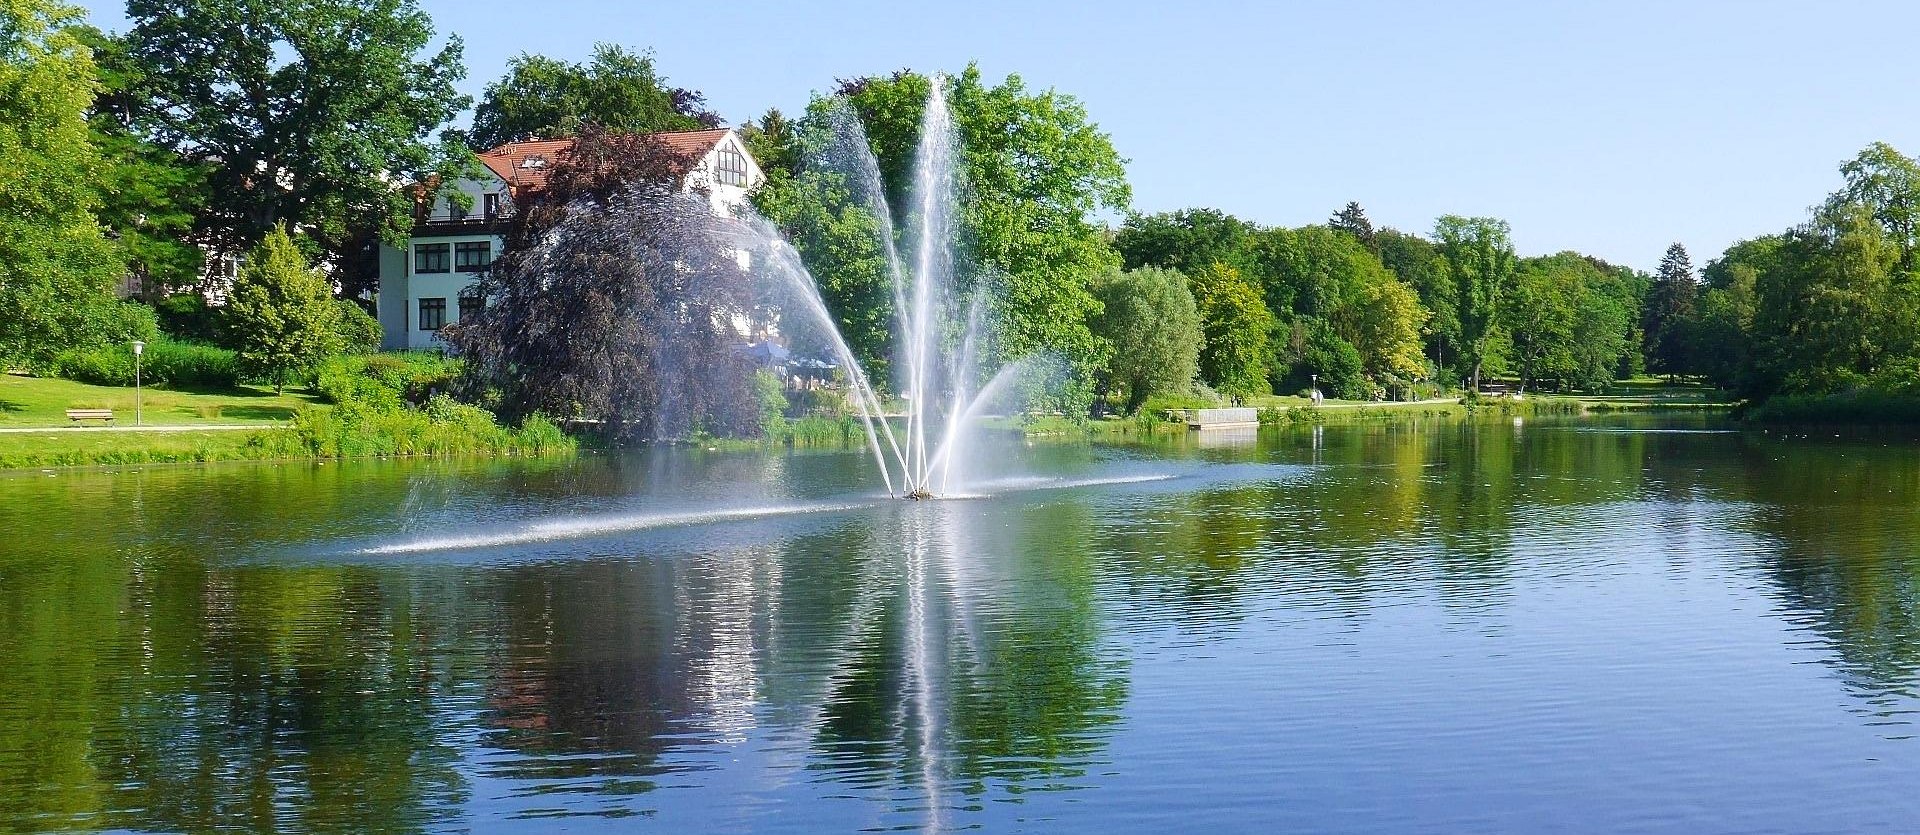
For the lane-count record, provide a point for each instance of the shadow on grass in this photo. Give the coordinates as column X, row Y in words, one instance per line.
column 257, row 412
column 10, row 406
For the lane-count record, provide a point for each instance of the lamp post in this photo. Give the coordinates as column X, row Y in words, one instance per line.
column 1314, row 393
column 138, row 347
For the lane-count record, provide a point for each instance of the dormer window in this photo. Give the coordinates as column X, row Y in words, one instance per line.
column 730, row 166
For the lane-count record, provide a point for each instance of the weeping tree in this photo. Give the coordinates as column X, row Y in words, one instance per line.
column 620, row 298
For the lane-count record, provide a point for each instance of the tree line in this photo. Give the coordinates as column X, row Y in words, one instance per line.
column 1827, row 310
column 221, row 126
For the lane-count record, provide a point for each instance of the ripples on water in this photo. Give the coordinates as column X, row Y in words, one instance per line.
column 1637, row 626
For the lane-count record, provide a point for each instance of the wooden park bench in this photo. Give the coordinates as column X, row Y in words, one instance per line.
column 77, row 415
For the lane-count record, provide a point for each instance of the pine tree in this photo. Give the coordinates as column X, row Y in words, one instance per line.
column 282, row 312
column 1353, row 220
column 1668, row 307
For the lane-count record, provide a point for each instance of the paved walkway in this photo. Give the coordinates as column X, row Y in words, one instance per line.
column 1350, row 404
column 200, row 427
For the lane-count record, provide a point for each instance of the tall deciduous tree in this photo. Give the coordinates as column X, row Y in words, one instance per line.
column 617, row 88
column 1188, row 240
column 1478, row 255
column 617, row 300
column 311, row 112
column 1237, row 325
column 1887, row 183
column 1035, row 172
column 1419, row 265
column 1329, row 275
column 1149, row 317
column 56, row 268
column 150, row 197
column 1668, row 307
column 1568, row 318
column 282, row 312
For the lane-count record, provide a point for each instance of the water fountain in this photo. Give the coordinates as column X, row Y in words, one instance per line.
column 938, row 351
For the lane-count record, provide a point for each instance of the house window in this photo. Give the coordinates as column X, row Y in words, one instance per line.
column 472, row 256
column 455, row 211
column 490, row 204
column 471, row 304
column 433, row 314
column 731, row 168
column 430, row 258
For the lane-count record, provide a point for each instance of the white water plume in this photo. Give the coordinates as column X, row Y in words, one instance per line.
column 936, row 353
column 599, row 525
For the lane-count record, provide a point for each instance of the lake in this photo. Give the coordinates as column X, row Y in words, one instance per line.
column 1634, row 624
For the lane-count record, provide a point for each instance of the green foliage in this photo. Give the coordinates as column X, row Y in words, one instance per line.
column 282, row 314
column 150, row 197
column 392, row 379
column 1567, row 320
column 397, row 404
column 772, row 394
column 1831, row 310
column 443, row 427
column 1821, row 323
column 1036, row 170
column 1352, row 220
column 187, row 316
column 57, row 270
column 306, row 114
column 841, row 242
column 819, row 430
column 165, row 362
column 1237, row 324
column 357, row 331
column 1314, row 347
column 547, row 98
column 1149, row 317
column 1887, row 183
column 1418, row 264
column 1477, row 256
column 1188, row 240
column 1670, row 303
column 1329, row 275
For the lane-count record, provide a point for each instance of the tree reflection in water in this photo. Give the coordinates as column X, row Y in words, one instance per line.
column 170, row 667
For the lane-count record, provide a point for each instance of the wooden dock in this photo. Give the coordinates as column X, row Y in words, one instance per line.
column 1199, row 419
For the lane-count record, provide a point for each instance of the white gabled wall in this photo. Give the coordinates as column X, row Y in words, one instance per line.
column 401, row 288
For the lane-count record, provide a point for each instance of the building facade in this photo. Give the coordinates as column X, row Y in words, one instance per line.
column 431, row 283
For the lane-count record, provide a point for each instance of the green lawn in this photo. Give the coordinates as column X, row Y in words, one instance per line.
column 39, row 401
column 1657, row 393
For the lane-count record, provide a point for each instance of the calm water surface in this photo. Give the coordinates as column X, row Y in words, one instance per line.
column 1626, row 626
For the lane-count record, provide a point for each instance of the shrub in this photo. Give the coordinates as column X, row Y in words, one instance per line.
column 186, row 365
column 165, row 363
column 106, row 365
column 443, row 427
column 386, row 380
column 819, row 403
column 359, row 332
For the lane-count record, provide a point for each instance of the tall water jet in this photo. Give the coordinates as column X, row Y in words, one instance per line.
column 936, row 353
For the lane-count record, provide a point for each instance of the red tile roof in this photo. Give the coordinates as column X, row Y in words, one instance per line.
column 509, row 161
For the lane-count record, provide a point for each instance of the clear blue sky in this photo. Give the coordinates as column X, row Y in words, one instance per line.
column 1613, row 128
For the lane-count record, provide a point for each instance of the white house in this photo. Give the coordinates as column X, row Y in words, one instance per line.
column 429, row 285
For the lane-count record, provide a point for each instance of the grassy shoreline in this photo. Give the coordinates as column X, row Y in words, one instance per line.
column 311, row 429
column 368, row 422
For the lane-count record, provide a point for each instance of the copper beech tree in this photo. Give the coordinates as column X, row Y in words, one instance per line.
column 617, row 300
